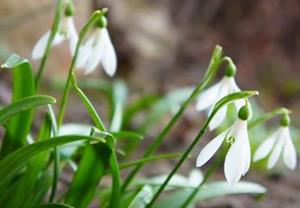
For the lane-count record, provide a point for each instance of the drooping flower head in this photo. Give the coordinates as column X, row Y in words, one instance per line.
column 98, row 49
column 238, row 157
column 66, row 31
column 279, row 143
column 209, row 97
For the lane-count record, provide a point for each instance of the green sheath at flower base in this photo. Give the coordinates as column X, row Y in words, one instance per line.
column 244, row 112
column 102, row 22
column 230, row 69
column 285, row 120
column 69, row 10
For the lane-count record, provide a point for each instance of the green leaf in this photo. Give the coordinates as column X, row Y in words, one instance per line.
column 18, row 128
column 127, row 135
column 209, row 191
column 13, row 162
column 89, row 173
column 41, row 188
column 33, row 170
column 9, row 111
column 54, row 206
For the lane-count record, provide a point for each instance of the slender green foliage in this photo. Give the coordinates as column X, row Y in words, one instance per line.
column 210, row 73
column 19, row 126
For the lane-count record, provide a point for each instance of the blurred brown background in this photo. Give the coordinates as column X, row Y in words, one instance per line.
column 165, row 44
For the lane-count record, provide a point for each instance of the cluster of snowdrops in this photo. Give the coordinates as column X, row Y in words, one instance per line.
column 30, row 168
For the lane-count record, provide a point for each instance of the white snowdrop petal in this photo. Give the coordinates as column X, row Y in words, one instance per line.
column 234, row 87
column 236, row 160
column 234, row 163
column 276, row 151
column 109, row 58
column 264, row 149
column 73, row 36
column 58, row 39
column 208, row 97
column 289, row 151
column 210, row 149
column 195, row 178
column 40, row 47
column 96, row 53
column 246, row 147
column 218, row 118
column 84, row 52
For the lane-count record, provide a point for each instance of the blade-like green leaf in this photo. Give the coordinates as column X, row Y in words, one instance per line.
column 12, row 163
column 18, row 127
column 54, row 206
column 33, row 170
column 41, row 188
column 128, row 135
column 9, row 111
column 89, row 173
column 211, row 190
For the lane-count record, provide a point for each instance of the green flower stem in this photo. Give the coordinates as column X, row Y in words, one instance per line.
column 54, row 29
column 150, row 159
column 267, row 116
column 224, row 101
column 115, row 170
column 93, row 19
column 213, row 67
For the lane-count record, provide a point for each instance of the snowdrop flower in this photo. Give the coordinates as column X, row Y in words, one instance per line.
column 98, row 49
column 237, row 161
column 279, row 143
column 209, row 97
column 66, row 31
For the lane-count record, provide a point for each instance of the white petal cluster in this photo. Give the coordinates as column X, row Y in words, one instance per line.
column 66, row 31
column 279, row 143
column 97, row 49
column 238, row 158
column 209, row 97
